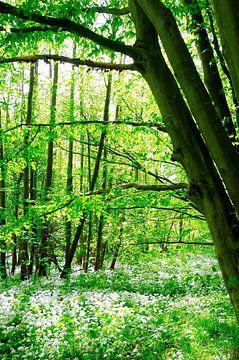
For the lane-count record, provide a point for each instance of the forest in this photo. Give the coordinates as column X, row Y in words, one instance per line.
column 119, row 200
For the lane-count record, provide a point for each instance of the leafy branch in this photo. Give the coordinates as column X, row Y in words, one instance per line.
column 90, row 122
column 138, row 186
column 68, row 26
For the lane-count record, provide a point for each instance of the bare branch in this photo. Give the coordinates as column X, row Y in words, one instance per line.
column 65, row 59
column 181, row 211
column 138, row 186
column 154, row 187
column 173, row 242
column 68, row 26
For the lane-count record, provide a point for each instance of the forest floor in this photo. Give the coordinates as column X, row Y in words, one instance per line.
column 173, row 306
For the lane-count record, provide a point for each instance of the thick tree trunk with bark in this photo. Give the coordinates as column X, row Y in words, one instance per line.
column 211, row 74
column 206, row 189
column 208, row 121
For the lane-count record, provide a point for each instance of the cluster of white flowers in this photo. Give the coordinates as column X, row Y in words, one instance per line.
column 53, row 319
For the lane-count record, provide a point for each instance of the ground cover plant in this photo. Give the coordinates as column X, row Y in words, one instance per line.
column 172, row 307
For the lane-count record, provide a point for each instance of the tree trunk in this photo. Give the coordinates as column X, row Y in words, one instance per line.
column 205, row 187
column 23, row 246
column 16, row 208
column 3, row 270
column 90, row 219
column 212, row 78
column 118, row 245
column 69, row 180
column 33, row 184
column 43, row 258
column 221, row 59
column 100, row 246
column 67, row 266
column 208, row 121
column 227, row 16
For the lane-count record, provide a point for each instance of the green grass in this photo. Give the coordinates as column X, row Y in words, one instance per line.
column 173, row 307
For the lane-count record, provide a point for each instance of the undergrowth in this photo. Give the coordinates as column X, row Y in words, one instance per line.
column 172, row 307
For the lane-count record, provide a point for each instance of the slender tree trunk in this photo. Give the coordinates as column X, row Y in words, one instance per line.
column 181, row 228
column 23, row 246
column 69, row 181
column 118, row 245
column 67, row 266
column 100, row 245
column 49, row 173
column 90, row 219
column 83, row 237
column 33, row 184
column 14, row 236
column 3, row 270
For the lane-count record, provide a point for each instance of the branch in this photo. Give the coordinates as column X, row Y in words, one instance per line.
column 65, row 59
column 23, row 147
column 83, row 122
column 123, row 186
column 30, row 29
column 138, row 186
column 173, row 242
column 154, row 187
column 181, row 211
column 107, row 10
column 69, row 26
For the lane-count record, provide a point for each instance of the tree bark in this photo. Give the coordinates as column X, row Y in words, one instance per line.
column 206, row 189
column 208, row 121
column 212, row 77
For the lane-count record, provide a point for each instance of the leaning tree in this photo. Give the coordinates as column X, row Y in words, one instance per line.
column 199, row 118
